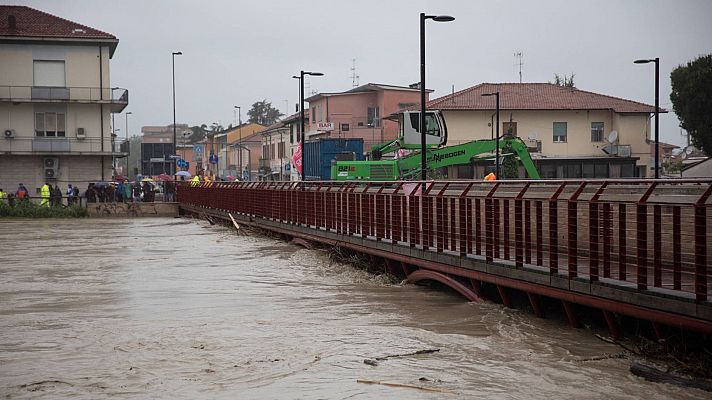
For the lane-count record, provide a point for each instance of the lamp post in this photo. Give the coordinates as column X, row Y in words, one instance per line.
column 173, row 57
column 656, row 60
column 496, row 157
column 128, row 144
column 239, row 129
column 301, row 112
column 423, row 158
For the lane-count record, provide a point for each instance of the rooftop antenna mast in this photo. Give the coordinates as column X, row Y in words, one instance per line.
column 354, row 77
column 520, row 56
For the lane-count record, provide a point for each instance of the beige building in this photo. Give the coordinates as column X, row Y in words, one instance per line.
column 571, row 133
column 56, row 100
column 275, row 163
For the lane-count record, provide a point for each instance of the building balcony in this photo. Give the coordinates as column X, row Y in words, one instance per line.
column 57, row 146
column 116, row 98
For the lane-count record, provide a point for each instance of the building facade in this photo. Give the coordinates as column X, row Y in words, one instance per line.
column 359, row 112
column 157, row 148
column 571, row 133
column 56, row 100
column 275, row 164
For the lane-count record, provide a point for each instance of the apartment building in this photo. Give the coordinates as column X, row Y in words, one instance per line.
column 56, row 100
column 571, row 133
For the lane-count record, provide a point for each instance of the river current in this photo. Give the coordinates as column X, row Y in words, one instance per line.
column 178, row 309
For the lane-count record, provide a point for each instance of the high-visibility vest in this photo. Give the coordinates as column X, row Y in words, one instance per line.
column 45, row 195
column 195, row 181
column 491, row 177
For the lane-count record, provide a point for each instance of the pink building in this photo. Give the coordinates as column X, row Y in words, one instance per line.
column 359, row 112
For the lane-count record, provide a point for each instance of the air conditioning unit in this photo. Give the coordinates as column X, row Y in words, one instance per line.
column 9, row 133
column 51, row 167
column 81, row 134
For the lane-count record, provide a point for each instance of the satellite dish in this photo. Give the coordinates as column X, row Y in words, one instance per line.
column 613, row 137
column 533, row 136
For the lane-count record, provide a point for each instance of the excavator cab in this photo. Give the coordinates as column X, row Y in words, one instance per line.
column 435, row 129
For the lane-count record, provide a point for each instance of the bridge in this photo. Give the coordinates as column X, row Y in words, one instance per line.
column 636, row 248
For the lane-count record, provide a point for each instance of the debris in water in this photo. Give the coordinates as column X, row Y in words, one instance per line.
column 425, row 351
column 370, row 362
column 405, row 385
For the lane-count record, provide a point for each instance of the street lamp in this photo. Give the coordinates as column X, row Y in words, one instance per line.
column 301, row 111
column 173, row 57
column 436, row 18
column 496, row 157
column 239, row 129
column 128, row 145
column 656, row 60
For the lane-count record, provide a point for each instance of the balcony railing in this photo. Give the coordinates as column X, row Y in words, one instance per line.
column 56, row 145
column 117, row 97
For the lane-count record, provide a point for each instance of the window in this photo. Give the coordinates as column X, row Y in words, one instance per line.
column 281, row 149
column 344, row 127
column 50, row 124
column 509, row 128
column 431, row 124
column 596, row 131
column 559, row 132
column 48, row 73
column 573, row 171
column 405, row 105
column 374, row 117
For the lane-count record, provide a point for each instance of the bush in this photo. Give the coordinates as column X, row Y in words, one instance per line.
column 29, row 209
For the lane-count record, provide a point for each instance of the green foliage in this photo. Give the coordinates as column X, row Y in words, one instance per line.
column 510, row 164
column 263, row 113
column 566, row 81
column 673, row 167
column 29, row 209
column 692, row 100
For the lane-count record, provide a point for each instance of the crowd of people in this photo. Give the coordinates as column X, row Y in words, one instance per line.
column 99, row 192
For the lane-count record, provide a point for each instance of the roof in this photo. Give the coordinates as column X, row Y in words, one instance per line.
column 535, row 96
column 367, row 88
column 31, row 23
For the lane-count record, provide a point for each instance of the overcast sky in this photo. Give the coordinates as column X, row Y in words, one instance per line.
column 237, row 52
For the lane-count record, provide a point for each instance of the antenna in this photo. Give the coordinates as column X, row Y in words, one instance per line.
column 354, row 77
column 453, row 93
column 518, row 54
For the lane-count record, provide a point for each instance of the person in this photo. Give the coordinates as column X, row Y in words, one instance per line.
column 70, row 195
column 45, row 192
column 75, row 193
column 22, row 193
column 195, row 181
column 120, row 192
column 137, row 192
column 170, row 188
column 57, row 195
column 3, row 195
column 127, row 191
column 147, row 192
column 90, row 194
column 491, row 177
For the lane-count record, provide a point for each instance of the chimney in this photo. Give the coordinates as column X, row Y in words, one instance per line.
column 11, row 22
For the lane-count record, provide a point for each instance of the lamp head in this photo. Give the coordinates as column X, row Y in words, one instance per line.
column 129, row 112
column 442, row 18
column 490, row 94
column 313, row 73
column 178, row 53
column 643, row 61
column 296, row 77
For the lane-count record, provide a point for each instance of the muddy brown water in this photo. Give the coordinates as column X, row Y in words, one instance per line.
column 176, row 308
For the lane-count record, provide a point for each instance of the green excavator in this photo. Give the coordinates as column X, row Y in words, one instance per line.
column 408, row 166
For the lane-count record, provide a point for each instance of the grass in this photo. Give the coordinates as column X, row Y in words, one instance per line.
column 28, row 209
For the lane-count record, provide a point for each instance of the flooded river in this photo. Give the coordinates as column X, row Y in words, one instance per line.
column 176, row 308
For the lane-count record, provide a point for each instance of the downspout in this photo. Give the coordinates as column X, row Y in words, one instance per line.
column 101, row 108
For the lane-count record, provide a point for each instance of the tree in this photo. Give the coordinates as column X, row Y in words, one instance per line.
column 692, row 100
column 263, row 113
column 565, row 81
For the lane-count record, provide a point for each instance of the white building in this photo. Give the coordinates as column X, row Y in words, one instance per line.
column 56, row 101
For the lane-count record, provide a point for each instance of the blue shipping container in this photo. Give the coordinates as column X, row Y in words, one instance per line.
column 319, row 153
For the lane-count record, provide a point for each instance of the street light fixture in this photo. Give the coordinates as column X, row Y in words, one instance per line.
column 423, row 159
column 655, row 60
column 496, row 157
column 128, row 145
column 301, row 111
column 173, row 57
column 239, row 129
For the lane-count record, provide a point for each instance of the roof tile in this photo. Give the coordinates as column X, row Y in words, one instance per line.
column 30, row 22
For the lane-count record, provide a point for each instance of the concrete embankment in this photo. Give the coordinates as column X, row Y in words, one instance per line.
column 122, row 210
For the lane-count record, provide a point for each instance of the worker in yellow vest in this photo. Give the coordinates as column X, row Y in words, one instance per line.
column 491, row 177
column 45, row 192
column 195, row 181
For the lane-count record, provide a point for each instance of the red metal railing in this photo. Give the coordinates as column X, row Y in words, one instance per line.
column 650, row 234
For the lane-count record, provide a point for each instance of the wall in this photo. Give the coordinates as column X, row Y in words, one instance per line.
column 77, row 170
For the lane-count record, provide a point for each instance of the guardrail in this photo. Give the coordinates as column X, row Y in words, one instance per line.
column 640, row 233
